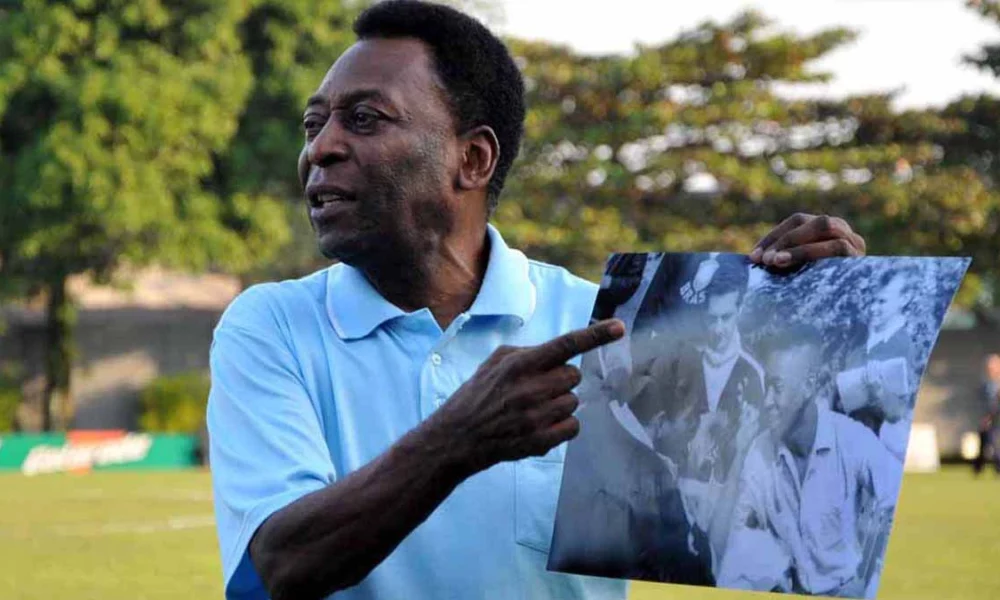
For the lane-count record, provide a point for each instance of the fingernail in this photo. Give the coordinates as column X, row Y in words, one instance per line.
column 782, row 258
column 769, row 256
column 756, row 254
column 616, row 328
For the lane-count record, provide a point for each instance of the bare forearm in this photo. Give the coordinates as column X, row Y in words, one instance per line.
column 331, row 539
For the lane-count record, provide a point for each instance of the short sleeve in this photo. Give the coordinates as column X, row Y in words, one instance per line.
column 267, row 447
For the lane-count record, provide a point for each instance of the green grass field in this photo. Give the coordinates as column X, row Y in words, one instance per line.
column 117, row 536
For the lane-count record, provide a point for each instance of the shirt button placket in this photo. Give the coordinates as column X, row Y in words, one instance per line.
column 437, row 378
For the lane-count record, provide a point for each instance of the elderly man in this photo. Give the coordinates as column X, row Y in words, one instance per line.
column 393, row 426
column 817, row 490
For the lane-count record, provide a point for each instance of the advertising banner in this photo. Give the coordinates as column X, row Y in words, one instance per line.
column 84, row 451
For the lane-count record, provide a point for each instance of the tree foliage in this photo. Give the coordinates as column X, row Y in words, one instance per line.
column 988, row 58
column 687, row 146
column 141, row 132
column 166, row 131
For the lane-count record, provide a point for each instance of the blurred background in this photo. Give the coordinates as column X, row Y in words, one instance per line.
column 147, row 176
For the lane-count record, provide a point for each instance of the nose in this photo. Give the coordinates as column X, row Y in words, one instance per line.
column 329, row 146
column 770, row 400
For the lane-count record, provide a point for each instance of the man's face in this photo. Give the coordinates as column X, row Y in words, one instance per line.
column 888, row 303
column 376, row 165
column 993, row 367
column 721, row 315
column 790, row 383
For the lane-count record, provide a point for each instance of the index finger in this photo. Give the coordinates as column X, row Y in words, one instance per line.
column 789, row 224
column 558, row 351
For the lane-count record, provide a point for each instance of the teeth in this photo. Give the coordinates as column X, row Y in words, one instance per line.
column 324, row 198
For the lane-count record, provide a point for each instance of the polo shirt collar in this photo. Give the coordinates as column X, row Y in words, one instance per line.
column 507, row 289
column 823, row 443
column 355, row 307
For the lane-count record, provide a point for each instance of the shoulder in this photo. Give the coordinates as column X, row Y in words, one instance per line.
column 265, row 305
column 901, row 337
column 554, row 278
column 751, row 368
column 852, row 435
column 562, row 296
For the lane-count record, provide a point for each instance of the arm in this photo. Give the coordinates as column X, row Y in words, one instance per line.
column 319, row 536
column 754, row 558
column 331, row 539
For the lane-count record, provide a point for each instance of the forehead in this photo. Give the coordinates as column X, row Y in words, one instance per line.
column 790, row 363
column 401, row 70
column 723, row 302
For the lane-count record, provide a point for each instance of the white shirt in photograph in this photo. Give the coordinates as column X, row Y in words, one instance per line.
column 782, row 521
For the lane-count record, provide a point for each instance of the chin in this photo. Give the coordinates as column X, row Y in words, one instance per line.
column 341, row 249
column 357, row 251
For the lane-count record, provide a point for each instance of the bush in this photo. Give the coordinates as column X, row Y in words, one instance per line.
column 10, row 399
column 175, row 404
column 10, row 396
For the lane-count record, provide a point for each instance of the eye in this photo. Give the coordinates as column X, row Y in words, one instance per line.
column 312, row 126
column 363, row 119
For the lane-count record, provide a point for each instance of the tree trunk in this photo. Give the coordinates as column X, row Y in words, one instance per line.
column 60, row 320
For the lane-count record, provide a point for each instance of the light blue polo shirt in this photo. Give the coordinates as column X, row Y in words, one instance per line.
column 314, row 378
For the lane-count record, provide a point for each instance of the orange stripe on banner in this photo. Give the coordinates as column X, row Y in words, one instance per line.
column 90, row 436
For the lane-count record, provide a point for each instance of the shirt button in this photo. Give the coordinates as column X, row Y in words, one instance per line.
column 436, row 358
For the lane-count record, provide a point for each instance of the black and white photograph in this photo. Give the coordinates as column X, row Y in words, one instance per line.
column 750, row 430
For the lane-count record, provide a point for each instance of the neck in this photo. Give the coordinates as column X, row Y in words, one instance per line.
column 443, row 276
column 801, row 434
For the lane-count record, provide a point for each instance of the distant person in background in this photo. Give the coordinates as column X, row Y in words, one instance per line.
column 883, row 394
column 817, row 489
column 990, row 422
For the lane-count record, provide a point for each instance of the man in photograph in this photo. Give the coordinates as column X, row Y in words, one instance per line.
column 706, row 386
column 817, row 488
column 701, row 398
column 628, row 497
column 878, row 387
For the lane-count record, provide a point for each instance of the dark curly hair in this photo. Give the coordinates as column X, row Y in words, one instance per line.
column 483, row 84
column 733, row 275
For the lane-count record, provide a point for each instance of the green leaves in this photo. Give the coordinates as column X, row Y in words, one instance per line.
column 690, row 146
column 154, row 131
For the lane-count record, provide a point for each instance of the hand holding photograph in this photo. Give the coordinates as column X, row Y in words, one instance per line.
column 750, row 430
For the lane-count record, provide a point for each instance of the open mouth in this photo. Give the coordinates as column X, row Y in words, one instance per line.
column 321, row 197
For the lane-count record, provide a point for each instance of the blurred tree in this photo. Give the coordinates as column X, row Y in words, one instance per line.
column 976, row 144
column 111, row 113
column 988, row 57
column 687, row 146
column 291, row 45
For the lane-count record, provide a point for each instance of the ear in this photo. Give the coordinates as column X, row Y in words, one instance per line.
column 480, row 153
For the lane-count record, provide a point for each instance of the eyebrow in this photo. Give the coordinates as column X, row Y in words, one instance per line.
column 352, row 97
